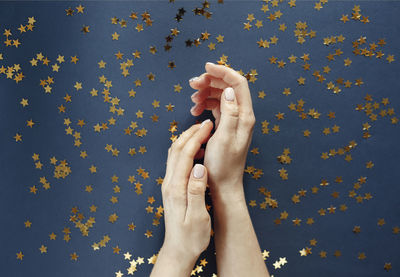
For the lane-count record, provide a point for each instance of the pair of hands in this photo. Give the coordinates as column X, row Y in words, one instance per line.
column 187, row 222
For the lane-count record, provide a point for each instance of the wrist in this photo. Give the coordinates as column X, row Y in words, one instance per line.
column 173, row 262
column 180, row 256
column 227, row 194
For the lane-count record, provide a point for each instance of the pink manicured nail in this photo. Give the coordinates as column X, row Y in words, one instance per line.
column 198, row 171
column 229, row 94
column 204, row 122
column 210, row 63
column 194, row 79
column 194, row 95
column 192, row 108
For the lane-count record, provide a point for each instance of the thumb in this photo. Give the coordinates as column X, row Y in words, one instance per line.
column 196, row 192
column 229, row 111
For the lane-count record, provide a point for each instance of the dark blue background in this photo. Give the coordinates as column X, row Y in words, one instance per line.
column 49, row 211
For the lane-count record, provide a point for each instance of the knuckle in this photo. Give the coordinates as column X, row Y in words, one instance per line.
column 177, row 145
column 225, row 139
column 173, row 195
column 204, row 217
column 196, row 187
column 242, row 79
column 249, row 119
column 233, row 110
column 190, row 147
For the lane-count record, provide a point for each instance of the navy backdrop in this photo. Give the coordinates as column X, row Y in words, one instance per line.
column 93, row 94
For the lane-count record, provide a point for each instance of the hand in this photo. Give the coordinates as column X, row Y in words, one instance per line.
column 226, row 151
column 187, row 221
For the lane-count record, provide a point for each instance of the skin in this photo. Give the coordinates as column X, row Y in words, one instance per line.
column 187, row 221
column 237, row 249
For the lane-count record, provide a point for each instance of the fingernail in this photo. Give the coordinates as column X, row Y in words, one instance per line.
column 194, row 95
column 193, row 79
column 229, row 94
column 210, row 63
column 192, row 108
column 198, row 171
column 204, row 122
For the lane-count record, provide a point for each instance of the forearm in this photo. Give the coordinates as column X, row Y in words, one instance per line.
column 173, row 264
column 237, row 247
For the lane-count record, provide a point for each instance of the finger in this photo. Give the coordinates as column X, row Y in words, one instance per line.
column 208, row 92
column 229, row 112
column 185, row 160
column 208, row 104
column 175, row 149
column 196, row 208
column 207, row 80
column 233, row 79
column 174, row 185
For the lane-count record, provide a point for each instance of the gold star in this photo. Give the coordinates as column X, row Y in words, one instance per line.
column 344, row 18
column 85, row 29
column 78, row 86
column 247, row 26
column 259, row 24
column 211, row 46
column 119, row 55
column 18, row 137
column 142, row 149
column 154, row 118
column 136, row 54
column 74, row 59
column 29, row 123
column 337, row 253
column 387, row 266
column 102, row 64
column 93, row 208
column 80, row 8
column 115, row 36
column 301, row 80
column 151, row 76
column 93, row 169
column 306, row 133
column 20, row 255
column 28, row 224
column 52, row 236
column 113, row 217
column 170, row 107
column 74, row 256
column 274, row 40
column 347, row 62
column 139, row 114
column 132, row 93
column 390, row 58
column 148, row 233
column 24, row 102
column 139, row 27
column 177, row 88
column 83, row 154
column 43, row 249
column 220, row 38
column 60, row 59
